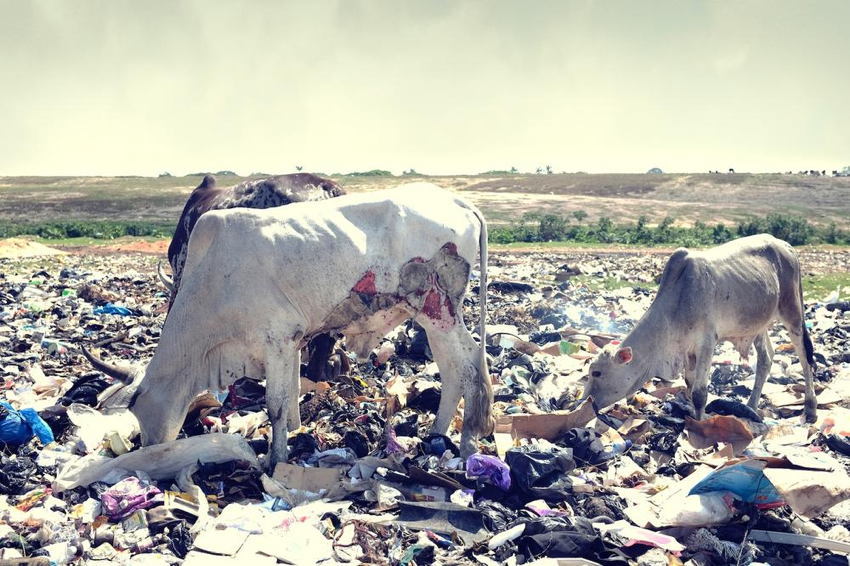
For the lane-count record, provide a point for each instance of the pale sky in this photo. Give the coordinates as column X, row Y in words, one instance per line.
column 119, row 87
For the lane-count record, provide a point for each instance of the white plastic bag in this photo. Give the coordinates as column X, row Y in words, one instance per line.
column 160, row 461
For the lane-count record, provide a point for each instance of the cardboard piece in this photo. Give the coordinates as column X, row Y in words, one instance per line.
column 633, row 428
column 397, row 392
column 308, row 479
column 648, row 514
column 329, row 483
column 810, row 493
column 310, row 385
column 504, row 442
column 794, row 399
column 300, row 543
column 549, row 426
column 717, row 429
column 196, row 558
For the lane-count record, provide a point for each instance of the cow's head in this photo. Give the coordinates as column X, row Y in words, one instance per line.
column 331, row 188
column 159, row 408
column 612, row 376
column 158, row 404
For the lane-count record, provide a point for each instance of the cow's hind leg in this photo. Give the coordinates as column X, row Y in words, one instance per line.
column 764, row 360
column 791, row 314
column 459, row 359
column 281, row 386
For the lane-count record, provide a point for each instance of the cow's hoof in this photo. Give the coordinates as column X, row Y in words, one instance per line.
column 271, row 462
column 810, row 410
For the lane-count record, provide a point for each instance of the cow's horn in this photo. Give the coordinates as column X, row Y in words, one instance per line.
column 168, row 282
column 125, row 375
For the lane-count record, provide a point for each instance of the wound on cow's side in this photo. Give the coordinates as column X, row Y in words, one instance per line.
column 435, row 287
column 439, row 307
column 432, row 305
column 366, row 284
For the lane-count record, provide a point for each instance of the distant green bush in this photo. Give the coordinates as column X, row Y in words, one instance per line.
column 537, row 227
column 795, row 230
column 105, row 230
column 372, row 173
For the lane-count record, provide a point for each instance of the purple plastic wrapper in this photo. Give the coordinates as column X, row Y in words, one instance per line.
column 127, row 496
column 490, row 468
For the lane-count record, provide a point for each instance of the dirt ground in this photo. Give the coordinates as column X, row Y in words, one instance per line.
column 687, row 197
column 19, row 247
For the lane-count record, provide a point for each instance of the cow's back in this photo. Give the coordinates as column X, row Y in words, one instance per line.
column 315, row 253
column 734, row 288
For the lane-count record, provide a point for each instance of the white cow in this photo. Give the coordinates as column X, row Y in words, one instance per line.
column 258, row 284
column 732, row 292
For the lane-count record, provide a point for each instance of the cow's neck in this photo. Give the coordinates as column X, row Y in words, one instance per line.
column 654, row 353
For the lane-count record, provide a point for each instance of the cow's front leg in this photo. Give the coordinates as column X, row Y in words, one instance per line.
column 280, row 387
column 696, row 375
column 293, row 416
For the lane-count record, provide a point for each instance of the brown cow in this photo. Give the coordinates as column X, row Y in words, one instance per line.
column 258, row 193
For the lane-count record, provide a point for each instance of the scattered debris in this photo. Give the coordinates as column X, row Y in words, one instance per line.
column 557, row 483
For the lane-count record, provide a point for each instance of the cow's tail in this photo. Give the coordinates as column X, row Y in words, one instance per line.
column 807, row 339
column 481, row 407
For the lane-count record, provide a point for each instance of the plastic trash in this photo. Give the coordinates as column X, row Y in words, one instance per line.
column 111, row 308
column 734, row 408
column 94, row 427
column 703, row 510
column 54, row 347
column 838, row 443
column 490, row 468
column 128, row 496
column 160, row 461
column 637, row 535
column 18, row 427
column 446, row 518
column 506, row 536
column 617, row 448
column 746, row 480
column 541, row 472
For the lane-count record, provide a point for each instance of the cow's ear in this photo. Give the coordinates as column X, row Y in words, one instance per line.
column 624, row 355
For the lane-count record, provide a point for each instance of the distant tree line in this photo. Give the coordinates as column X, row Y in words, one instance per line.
column 531, row 227
column 105, row 230
column 548, row 227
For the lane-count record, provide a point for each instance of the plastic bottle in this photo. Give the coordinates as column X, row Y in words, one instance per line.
column 506, row 536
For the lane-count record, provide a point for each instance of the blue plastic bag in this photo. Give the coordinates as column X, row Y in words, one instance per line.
column 746, row 480
column 20, row 426
column 110, row 308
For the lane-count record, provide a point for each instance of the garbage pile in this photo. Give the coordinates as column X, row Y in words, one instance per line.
column 558, row 482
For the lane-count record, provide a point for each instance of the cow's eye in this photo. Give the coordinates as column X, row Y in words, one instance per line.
column 595, row 373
